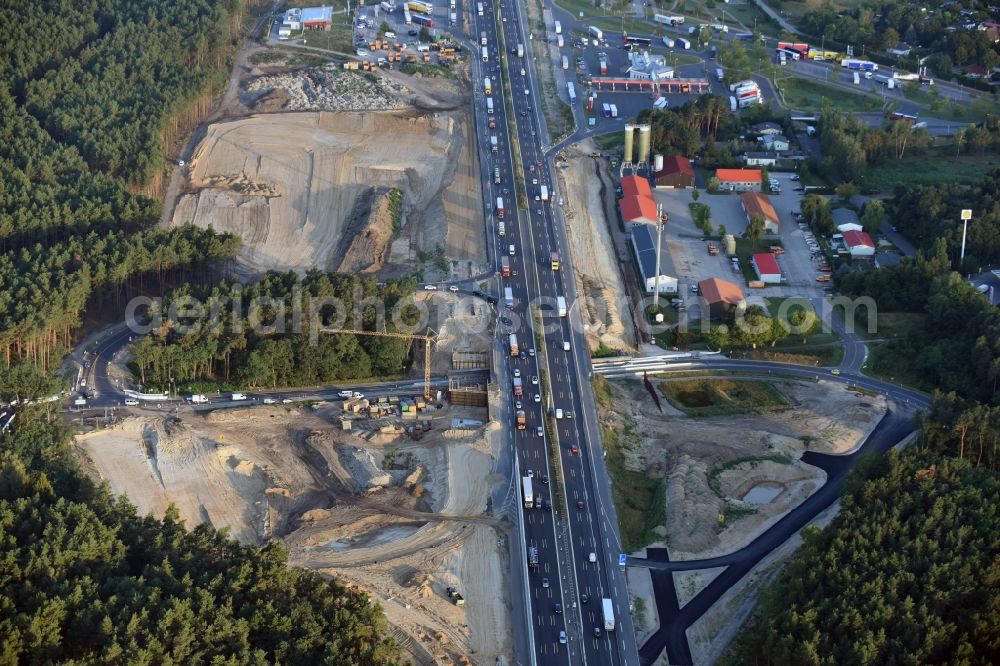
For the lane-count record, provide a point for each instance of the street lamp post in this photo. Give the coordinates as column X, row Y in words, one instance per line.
column 966, row 216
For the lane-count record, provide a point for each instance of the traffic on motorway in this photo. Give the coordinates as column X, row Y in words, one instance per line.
column 576, row 597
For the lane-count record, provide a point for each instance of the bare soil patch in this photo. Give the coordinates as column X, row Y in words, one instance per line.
column 604, row 308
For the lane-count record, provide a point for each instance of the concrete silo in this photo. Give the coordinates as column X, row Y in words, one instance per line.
column 645, row 136
column 629, row 138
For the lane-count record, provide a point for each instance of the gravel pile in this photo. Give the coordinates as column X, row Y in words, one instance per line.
column 331, row 89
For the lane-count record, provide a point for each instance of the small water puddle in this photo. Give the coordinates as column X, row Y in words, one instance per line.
column 763, row 493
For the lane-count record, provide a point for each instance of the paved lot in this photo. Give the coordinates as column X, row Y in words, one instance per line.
column 686, row 256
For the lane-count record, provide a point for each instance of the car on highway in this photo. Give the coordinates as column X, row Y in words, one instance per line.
column 534, row 379
column 835, row 371
column 345, row 393
column 584, row 598
column 430, row 287
column 545, row 478
column 539, row 431
column 531, row 352
column 546, row 504
column 453, row 289
column 557, row 609
column 800, row 189
column 545, row 582
column 531, row 473
column 574, row 449
column 269, row 401
column 538, row 398
column 597, row 632
column 517, row 372
column 566, row 345
column 517, row 404
column 131, row 402
column 793, row 177
column 286, row 401
column 562, row 637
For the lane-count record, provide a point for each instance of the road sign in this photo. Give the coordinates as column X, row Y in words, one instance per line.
column 621, row 561
column 966, row 214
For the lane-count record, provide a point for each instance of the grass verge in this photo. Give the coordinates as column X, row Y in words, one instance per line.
column 808, row 95
column 639, row 500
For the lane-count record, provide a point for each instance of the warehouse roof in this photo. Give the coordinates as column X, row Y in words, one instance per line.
column 638, row 209
column 645, row 249
column 766, row 264
column 636, row 185
column 858, row 239
column 317, row 15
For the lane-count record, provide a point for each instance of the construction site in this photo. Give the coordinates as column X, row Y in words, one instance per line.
column 330, row 168
column 402, row 495
column 395, row 495
column 726, row 478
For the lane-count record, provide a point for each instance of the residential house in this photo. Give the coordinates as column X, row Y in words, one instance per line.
column 755, row 203
column 676, row 173
column 740, row 180
column 756, row 158
column 767, row 129
column 775, row 142
column 719, row 297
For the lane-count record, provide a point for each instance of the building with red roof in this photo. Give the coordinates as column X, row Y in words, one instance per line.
column 766, row 266
column 676, row 173
column 637, row 204
column 859, row 243
column 638, row 210
column 739, row 180
column 755, row 203
column 720, row 296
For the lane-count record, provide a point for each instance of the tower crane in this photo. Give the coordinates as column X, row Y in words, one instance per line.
column 427, row 339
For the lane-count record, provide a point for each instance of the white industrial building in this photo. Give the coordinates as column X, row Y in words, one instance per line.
column 644, row 245
column 646, row 67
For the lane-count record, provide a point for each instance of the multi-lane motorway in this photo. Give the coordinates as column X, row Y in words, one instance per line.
column 583, row 519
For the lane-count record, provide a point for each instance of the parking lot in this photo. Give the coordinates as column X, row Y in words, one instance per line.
column 686, row 256
column 629, row 103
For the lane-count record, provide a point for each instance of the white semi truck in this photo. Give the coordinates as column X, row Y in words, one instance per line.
column 609, row 614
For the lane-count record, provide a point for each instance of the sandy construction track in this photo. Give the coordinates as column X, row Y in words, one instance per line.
column 288, row 183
